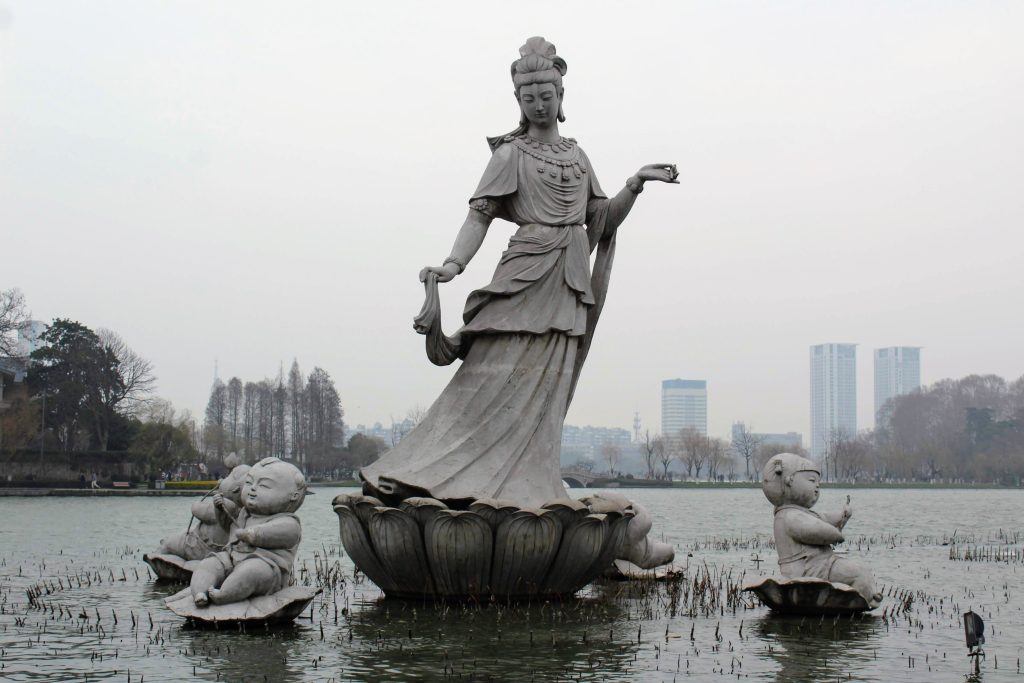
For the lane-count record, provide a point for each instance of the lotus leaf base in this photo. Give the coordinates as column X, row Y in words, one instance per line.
column 280, row 608
column 808, row 596
column 170, row 568
column 494, row 550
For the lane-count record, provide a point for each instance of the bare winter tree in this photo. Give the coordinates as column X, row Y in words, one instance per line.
column 234, row 411
column 746, row 444
column 718, row 456
column 137, row 378
column 611, row 454
column 665, row 449
column 693, row 451
column 13, row 315
column 216, row 411
column 297, row 419
column 650, row 453
column 250, row 419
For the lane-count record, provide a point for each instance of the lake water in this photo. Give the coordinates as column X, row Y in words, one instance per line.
column 87, row 552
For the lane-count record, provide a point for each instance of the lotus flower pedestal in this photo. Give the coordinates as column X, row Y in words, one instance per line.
column 493, row 549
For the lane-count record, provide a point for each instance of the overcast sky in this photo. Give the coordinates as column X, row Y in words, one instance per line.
column 256, row 182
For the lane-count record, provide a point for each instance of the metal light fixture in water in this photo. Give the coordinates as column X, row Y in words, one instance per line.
column 974, row 633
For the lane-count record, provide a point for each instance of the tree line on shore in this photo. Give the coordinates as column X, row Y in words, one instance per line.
column 298, row 417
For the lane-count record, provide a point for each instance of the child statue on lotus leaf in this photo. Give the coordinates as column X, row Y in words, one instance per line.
column 215, row 516
column 259, row 558
column 804, row 538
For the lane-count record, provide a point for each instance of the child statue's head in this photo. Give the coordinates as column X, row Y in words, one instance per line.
column 790, row 479
column 231, row 486
column 274, row 486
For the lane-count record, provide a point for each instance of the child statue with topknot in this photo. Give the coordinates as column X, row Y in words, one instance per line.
column 804, row 538
column 260, row 555
column 215, row 516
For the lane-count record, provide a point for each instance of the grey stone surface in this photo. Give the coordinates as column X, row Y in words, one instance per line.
column 808, row 596
column 170, row 568
column 492, row 550
column 251, row 576
column 494, row 432
column 280, row 607
column 804, row 539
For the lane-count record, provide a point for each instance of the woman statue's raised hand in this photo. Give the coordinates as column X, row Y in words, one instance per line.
column 665, row 173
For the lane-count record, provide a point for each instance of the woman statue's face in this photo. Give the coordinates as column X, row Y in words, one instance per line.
column 539, row 103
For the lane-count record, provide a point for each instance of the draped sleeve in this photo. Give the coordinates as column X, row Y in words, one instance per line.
column 500, row 179
column 597, row 207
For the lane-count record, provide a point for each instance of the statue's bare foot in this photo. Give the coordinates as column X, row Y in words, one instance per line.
column 202, row 599
column 214, row 593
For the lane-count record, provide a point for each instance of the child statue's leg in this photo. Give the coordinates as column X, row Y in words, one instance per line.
column 207, row 576
column 856, row 575
column 249, row 577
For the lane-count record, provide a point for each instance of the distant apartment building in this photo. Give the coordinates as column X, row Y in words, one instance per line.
column 28, row 338
column 585, row 443
column 684, row 404
column 790, row 440
column 897, row 372
column 833, row 393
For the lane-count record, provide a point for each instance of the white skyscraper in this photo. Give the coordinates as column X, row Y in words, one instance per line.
column 684, row 403
column 833, row 393
column 897, row 372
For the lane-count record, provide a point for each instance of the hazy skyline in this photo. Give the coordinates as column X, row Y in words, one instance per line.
column 257, row 182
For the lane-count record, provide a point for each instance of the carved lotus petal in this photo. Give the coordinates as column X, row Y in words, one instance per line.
column 808, row 596
column 422, row 509
column 568, row 510
column 399, row 544
column 362, row 505
column 525, row 545
column 617, row 525
column 581, row 545
column 494, row 510
column 459, row 547
column 357, row 544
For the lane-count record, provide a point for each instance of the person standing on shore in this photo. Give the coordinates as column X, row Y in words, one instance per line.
column 92, row 483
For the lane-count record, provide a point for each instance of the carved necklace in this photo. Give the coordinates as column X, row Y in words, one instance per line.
column 557, row 159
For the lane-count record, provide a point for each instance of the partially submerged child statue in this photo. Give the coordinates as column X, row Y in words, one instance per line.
column 252, row 578
column 214, row 515
column 804, row 542
column 259, row 557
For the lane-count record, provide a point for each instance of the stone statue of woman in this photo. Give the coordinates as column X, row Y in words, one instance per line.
column 495, row 431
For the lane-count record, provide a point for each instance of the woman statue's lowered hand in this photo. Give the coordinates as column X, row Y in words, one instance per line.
column 444, row 273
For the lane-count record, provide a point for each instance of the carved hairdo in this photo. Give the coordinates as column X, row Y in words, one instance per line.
column 538, row 63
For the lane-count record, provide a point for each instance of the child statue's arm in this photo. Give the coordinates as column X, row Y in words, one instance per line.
column 279, row 532
column 227, row 511
column 810, row 530
column 840, row 518
column 204, row 511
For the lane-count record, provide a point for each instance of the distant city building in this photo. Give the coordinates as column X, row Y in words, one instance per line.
column 377, row 431
column 897, row 372
column 585, row 443
column 791, row 440
column 28, row 337
column 684, row 404
column 833, row 393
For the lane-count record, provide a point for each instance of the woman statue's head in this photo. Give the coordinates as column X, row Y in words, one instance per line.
column 537, row 75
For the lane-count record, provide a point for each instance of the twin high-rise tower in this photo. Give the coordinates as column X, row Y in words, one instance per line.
column 834, row 387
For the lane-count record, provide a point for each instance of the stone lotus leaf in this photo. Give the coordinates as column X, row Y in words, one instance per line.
column 423, row 549
column 807, row 596
column 170, row 568
column 279, row 608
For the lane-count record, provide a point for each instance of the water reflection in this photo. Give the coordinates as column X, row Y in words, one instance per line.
column 808, row 649
column 581, row 638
